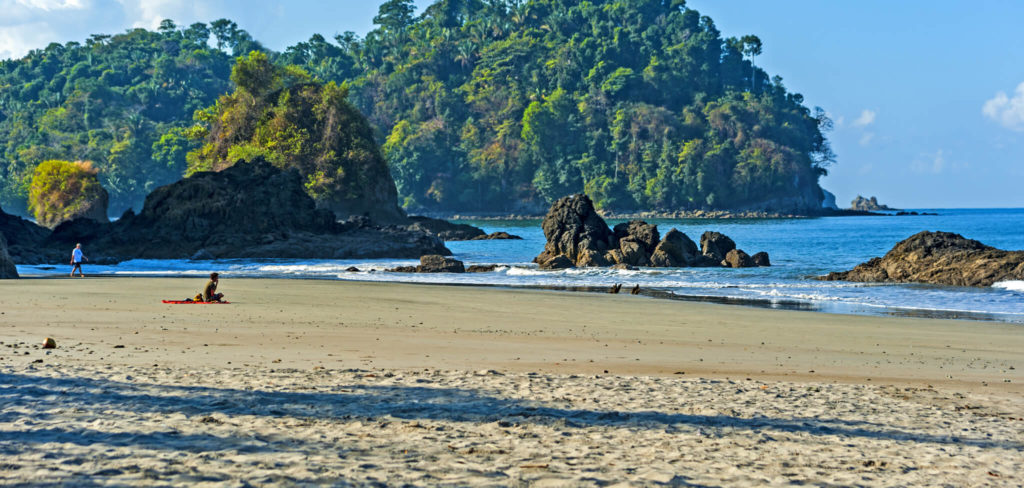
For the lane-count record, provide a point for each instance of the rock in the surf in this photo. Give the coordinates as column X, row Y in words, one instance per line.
column 716, row 245
column 761, row 259
column 573, row 226
column 736, row 258
column 676, row 250
column 939, row 258
column 433, row 263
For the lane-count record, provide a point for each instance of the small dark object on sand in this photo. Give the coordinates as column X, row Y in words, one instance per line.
column 615, row 288
column 635, row 290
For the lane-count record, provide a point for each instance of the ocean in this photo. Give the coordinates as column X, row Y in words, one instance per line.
column 800, row 250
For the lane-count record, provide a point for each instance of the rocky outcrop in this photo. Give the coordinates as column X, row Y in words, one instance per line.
column 448, row 231
column 250, row 210
column 716, row 245
column 736, row 258
column 24, row 240
column 7, row 268
column 451, row 231
column 578, row 237
column 675, row 250
column 867, row 204
column 939, row 258
column 573, row 229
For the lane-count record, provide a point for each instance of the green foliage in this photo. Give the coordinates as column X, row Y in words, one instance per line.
column 503, row 104
column 61, row 190
column 119, row 101
column 281, row 114
column 496, row 105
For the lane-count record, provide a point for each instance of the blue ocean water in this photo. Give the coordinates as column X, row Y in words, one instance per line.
column 800, row 249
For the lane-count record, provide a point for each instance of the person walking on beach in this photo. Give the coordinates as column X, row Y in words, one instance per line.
column 76, row 260
column 210, row 292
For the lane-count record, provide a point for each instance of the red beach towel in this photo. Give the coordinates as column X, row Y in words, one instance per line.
column 182, row 302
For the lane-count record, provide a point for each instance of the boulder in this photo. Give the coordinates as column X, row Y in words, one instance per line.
column 640, row 232
column 736, row 258
column 939, row 258
column 7, row 268
column 675, row 250
column 434, row 263
column 716, row 245
column 761, row 259
column 24, row 239
column 558, row 262
column 49, row 343
column 571, row 226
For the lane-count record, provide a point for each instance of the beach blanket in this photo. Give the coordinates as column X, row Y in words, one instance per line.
column 179, row 302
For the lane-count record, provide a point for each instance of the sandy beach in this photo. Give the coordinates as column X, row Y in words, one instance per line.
column 331, row 382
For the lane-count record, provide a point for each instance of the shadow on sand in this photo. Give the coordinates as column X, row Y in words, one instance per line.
column 20, row 393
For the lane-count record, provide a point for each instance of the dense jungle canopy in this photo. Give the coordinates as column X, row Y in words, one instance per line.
column 478, row 105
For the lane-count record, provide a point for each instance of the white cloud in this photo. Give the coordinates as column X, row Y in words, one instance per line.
column 1007, row 111
column 866, row 138
column 867, row 117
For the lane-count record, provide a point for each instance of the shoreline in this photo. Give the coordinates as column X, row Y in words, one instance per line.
column 582, row 325
column 847, row 309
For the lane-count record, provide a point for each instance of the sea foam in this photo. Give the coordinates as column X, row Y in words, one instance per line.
column 1013, row 285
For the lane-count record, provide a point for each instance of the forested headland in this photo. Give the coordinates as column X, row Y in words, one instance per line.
column 478, row 106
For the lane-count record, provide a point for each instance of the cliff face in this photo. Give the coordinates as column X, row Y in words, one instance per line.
column 7, row 269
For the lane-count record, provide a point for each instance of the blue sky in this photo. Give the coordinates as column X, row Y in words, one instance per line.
column 928, row 97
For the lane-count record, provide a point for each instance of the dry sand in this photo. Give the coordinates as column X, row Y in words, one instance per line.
column 379, row 383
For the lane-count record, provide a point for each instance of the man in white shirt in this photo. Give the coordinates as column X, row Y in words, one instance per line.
column 76, row 260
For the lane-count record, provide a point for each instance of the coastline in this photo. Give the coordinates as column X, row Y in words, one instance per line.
column 359, row 383
column 846, row 348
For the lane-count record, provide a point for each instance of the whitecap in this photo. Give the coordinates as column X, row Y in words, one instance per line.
column 1012, row 285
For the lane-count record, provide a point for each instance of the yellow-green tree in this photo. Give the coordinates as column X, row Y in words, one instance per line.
column 65, row 190
column 284, row 116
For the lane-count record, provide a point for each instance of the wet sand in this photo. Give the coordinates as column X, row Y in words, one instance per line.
column 339, row 382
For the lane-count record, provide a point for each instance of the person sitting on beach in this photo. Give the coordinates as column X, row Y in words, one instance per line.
column 210, row 292
column 76, row 260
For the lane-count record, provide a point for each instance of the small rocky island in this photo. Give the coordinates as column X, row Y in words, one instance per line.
column 7, row 268
column 577, row 236
column 868, row 205
column 941, row 258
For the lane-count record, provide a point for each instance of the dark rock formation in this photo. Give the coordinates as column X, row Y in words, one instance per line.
column 578, row 236
column 736, row 258
column 7, row 269
column 867, row 204
column 500, row 235
column 250, row 210
column 448, row 231
column 716, row 245
column 434, row 263
column 572, row 226
column 761, row 259
column 481, row 268
column 939, row 258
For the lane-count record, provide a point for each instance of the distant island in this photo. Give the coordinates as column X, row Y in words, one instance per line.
column 477, row 107
column 868, row 204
